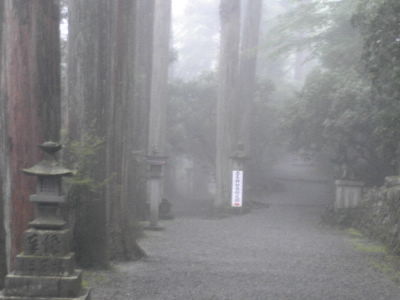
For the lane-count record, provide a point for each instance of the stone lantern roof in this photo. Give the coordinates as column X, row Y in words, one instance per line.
column 49, row 166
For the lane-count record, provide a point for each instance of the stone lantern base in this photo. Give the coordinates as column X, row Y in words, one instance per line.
column 84, row 296
column 45, row 269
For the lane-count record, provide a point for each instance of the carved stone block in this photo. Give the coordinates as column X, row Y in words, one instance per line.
column 47, row 242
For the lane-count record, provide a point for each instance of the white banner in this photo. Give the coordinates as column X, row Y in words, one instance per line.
column 237, row 188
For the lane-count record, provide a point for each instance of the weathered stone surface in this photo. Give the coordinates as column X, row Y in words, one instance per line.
column 43, row 198
column 45, row 268
column 349, row 193
column 47, row 242
column 85, row 295
column 392, row 181
column 45, row 265
column 43, row 286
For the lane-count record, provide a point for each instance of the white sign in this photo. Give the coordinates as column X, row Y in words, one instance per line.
column 237, row 188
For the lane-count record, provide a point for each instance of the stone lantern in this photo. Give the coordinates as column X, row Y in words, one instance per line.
column 46, row 267
column 239, row 157
column 156, row 164
column 49, row 195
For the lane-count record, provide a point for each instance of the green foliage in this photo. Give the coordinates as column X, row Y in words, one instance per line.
column 192, row 123
column 368, row 246
column 379, row 24
column 351, row 114
column 191, row 117
column 322, row 28
column 83, row 154
column 86, row 201
column 354, row 233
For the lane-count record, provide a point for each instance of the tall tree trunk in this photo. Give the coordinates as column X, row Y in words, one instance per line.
column 140, row 113
column 103, row 82
column 89, row 61
column 3, row 258
column 30, row 104
column 120, row 140
column 159, row 82
column 227, row 79
column 247, row 71
column 159, row 95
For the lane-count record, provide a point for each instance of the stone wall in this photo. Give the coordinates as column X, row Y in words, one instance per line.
column 377, row 216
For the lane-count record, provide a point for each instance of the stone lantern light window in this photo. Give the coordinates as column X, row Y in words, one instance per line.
column 49, row 185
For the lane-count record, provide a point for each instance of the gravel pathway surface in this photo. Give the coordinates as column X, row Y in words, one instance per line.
column 274, row 253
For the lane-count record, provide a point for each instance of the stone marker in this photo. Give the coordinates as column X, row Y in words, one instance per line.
column 46, row 267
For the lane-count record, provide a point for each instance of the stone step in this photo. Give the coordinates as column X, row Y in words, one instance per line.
column 43, row 286
column 85, row 295
column 45, row 265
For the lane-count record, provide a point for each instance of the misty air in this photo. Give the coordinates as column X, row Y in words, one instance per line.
column 200, row 149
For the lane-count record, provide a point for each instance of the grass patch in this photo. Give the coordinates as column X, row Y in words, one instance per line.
column 389, row 265
column 379, row 258
column 368, row 247
column 363, row 244
column 354, row 233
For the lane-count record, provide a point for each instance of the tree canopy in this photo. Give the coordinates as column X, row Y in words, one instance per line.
column 349, row 104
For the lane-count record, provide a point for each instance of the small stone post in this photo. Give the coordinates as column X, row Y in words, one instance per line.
column 155, row 174
column 46, row 267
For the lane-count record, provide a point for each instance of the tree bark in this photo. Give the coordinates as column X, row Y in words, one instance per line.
column 227, row 79
column 103, row 103
column 247, row 71
column 3, row 257
column 89, row 62
column 140, row 111
column 120, row 138
column 30, row 104
column 159, row 97
column 159, row 81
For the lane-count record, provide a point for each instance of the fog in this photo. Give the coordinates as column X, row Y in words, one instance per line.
column 199, row 149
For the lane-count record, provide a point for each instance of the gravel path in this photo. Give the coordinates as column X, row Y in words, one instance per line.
column 280, row 252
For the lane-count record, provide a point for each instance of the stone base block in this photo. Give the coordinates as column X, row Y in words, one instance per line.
column 349, row 194
column 47, row 242
column 84, row 295
column 43, row 286
column 45, row 265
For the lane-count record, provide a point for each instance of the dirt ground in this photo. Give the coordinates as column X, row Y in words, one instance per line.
column 277, row 252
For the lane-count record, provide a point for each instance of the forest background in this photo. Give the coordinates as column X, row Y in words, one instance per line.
column 327, row 86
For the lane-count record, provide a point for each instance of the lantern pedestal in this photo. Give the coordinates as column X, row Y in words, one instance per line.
column 46, row 267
